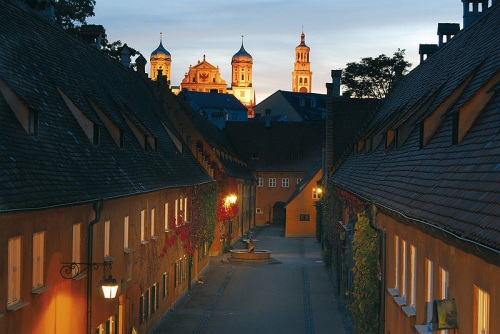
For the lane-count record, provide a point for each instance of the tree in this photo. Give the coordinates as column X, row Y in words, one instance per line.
column 374, row 77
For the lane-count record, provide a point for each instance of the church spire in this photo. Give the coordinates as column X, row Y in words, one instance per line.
column 302, row 75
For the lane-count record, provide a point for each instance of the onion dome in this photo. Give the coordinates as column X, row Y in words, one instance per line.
column 302, row 44
column 160, row 50
column 242, row 56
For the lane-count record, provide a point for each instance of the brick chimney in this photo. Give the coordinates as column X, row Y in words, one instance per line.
column 92, row 34
column 125, row 56
column 474, row 9
column 268, row 118
column 426, row 50
column 447, row 29
column 141, row 65
column 336, row 75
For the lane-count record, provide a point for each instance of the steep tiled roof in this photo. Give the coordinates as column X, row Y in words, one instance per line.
column 455, row 187
column 295, row 106
column 308, row 177
column 283, row 146
column 60, row 165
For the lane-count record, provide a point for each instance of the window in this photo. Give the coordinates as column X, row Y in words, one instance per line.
column 106, row 238
column 129, row 270
column 298, row 180
column 185, row 209
column 304, row 217
column 14, row 272
column 260, row 182
column 76, row 245
column 152, row 222
column 165, row 284
column 481, row 312
column 285, row 182
column 302, row 101
column 108, row 327
column 125, row 232
column 429, row 284
column 255, row 155
column 413, row 276
column 272, row 182
column 403, row 269
column 258, row 211
column 396, row 262
column 38, row 259
column 313, row 103
column 444, row 292
column 166, row 217
column 316, row 193
column 176, row 217
column 143, row 226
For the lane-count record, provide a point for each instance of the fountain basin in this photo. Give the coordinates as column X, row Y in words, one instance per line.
column 243, row 254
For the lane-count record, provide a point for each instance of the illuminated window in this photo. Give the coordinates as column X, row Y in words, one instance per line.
column 285, row 182
column 429, row 285
column 106, row 237
column 272, row 182
column 316, row 193
column 125, row 232
column 482, row 311
column 76, row 245
column 185, row 209
column 403, row 269
column 38, row 257
column 166, row 216
column 396, row 262
column 152, row 222
column 143, row 226
column 14, row 272
column 413, row 276
column 176, row 217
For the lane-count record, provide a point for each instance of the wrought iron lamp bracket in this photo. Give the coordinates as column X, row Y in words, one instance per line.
column 71, row 270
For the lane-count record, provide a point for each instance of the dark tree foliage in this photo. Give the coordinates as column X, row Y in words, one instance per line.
column 374, row 77
column 113, row 49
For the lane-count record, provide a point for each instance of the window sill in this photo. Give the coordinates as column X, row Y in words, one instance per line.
column 79, row 276
column 128, row 250
column 423, row 329
column 39, row 290
column 168, row 230
column 154, row 237
column 17, row 306
column 143, row 242
column 401, row 301
column 409, row 311
column 109, row 258
column 393, row 292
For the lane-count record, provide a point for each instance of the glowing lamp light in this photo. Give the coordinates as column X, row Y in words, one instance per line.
column 231, row 199
column 109, row 287
column 319, row 190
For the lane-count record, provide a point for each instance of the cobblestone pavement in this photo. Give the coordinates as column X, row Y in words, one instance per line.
column 293, row 294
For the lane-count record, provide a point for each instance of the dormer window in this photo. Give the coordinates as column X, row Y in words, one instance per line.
column 255, row 155
column 33, row 122
column 97, row 134
column 302, row 102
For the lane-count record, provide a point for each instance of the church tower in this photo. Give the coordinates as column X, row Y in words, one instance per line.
column 241, row 83
column 302, row 75
column 160, row 59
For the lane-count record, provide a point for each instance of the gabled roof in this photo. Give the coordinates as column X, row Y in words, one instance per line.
column 41, row 67
column 283, row 146
column 295, row 106
column 454, row 187
column 309, row 177
column 214, row 101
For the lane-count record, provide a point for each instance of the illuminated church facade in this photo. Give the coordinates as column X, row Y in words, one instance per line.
column 302, row 75
column 205, row 77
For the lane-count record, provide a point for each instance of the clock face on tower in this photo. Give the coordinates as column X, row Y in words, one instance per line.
column 203, row 77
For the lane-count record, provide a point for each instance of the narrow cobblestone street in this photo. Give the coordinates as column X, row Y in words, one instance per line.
column 293, row 294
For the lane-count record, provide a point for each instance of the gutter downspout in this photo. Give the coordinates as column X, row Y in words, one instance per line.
column 97, row 206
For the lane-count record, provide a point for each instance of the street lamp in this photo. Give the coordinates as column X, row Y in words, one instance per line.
column 70, row 270
column 230, row 199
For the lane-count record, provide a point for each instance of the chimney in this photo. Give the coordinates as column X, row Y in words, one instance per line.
column 426, row 50
column 92, row 34
column 447, row 29
column 268, row 118
column 336, row 75
column 474, row 9
column 125, row 56
column 141, row 65
column 46, row 8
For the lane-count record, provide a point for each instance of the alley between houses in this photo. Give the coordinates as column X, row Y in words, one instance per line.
column 291, row 294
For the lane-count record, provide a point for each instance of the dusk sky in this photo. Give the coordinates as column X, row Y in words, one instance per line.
column 337, row 32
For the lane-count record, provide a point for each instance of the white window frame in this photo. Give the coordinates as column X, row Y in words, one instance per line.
column 316, row 194
column 404, row 268
column 444, row 283
column 107, row 230
column 38, row 259
column 285, row 182
column 258, row 211
column 166, row 217
column 260, row 182
column 152, row 224
column 143, row 227
column 272, row 182
column 76, row 247
column 14, row 271
column 482, row 311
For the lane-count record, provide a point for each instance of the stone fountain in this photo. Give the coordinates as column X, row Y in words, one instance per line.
column 250, row 254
